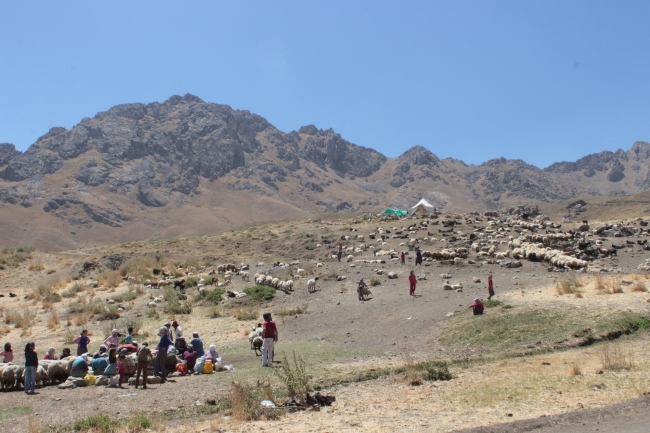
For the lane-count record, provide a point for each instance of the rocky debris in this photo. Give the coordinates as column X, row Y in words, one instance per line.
column 511, row 263
column 392, row 275
column 476, row 280
column 114, row 261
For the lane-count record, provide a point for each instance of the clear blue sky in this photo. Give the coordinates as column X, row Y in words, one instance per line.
column 537, row 80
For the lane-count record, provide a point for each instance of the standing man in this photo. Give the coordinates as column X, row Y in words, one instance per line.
column 270, row 336
column 340, row 253
column 490, row 287
column 418, row 258
column 412, row 281
column 161, row 356
column 403, row 257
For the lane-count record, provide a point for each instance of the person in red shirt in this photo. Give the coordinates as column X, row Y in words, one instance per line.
column 403, row 257
column 413, row 281
column 270, row 336
column 477, row 307
column 490, row 287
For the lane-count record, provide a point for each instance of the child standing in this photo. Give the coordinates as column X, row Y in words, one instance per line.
column 129, row 337
column 121, row 368
column 490, row 287
column 8, row 353
column 403, row 257
column 412, row 282
column 82, row 342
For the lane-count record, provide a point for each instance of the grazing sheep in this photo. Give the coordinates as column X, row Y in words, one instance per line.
column 350, row 258
column 289, row 284
column 268, row 280
column 311, row 285
column 58, row 371
column 275, row 282
column 245, row 276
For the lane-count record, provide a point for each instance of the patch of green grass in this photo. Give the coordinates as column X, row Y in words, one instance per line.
column 260, row 293
column 504, row 331
column 173, row 305
column 11, row 412
column 375, row 282
column 191, row 281
column 109, row 312
column 104, row 424
column 489, row 303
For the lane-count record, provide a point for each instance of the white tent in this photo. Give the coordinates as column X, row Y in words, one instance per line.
column 422, row 208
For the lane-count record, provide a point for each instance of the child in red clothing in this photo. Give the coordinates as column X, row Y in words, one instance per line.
column 413, row 281
column 121, row 369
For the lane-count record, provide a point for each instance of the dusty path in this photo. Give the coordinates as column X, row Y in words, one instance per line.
column 629, row 417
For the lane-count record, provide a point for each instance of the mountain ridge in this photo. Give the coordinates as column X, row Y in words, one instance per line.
column 139, row 169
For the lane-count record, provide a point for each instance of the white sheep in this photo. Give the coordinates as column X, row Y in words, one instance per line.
column 350, row 258
column 289, row 284
column 245, row 276
column 311, row 285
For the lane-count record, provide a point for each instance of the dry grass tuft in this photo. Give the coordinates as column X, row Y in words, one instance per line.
column 575, row 370
column 110, row 279
column 599, row 283
column 639, row 286
column 646, row 275
column 613, row 357
column 245, row 313
column 300, row 309
column 36, row 266
column 568, row 285
column 610, row 286
column 53, row 321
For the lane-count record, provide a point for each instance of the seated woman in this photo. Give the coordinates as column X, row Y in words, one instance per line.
column 99, row 364
column 190, row 357
column 80, row 366
column 51, row 354
column 172, row 360
column 66, row 352
column 212, row 354
column 181, row 345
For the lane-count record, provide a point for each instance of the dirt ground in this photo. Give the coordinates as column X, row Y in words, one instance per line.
column 339, row 335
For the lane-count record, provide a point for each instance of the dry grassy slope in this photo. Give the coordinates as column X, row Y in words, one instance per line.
column 604, row 209
column 339, row 334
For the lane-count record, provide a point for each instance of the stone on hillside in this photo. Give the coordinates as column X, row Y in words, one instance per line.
column 392, row 275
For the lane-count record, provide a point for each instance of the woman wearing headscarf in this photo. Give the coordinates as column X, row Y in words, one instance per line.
column 212, row 354
column 113, row 340
column 80, row 366
column 51, row 354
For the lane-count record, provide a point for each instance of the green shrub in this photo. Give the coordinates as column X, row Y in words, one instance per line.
column 215, row 295
column 191, row 281
column 260, row 293
column 294, row 377
column 489, row 303
column 109, row 312
column 173, row 305
column 375, row 282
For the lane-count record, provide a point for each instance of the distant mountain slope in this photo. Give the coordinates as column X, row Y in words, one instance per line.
column 185, row 167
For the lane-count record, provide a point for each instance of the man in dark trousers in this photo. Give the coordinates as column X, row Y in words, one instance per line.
column 402, row 257
column 340, row 252
column 418, row 258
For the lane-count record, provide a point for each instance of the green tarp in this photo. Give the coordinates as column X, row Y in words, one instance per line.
column 397, row 212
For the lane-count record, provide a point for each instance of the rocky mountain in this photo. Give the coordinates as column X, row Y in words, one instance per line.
column 186, row 167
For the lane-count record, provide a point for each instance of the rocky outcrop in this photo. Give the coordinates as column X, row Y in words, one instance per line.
column 7, row 153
